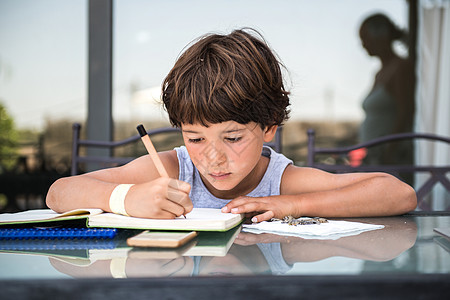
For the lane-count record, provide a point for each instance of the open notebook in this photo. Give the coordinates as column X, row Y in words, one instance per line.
column 199, row 219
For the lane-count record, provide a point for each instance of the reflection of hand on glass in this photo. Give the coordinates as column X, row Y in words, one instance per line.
column 384, row 244
column 247, row 239
column 132, row 267
column 96, row 269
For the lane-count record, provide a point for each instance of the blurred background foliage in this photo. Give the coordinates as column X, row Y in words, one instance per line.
column 8, row 140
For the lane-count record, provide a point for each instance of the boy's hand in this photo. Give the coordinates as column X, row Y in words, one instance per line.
column 162, row 198
column 262, row 208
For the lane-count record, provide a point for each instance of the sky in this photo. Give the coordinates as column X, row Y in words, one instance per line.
column 43, row 53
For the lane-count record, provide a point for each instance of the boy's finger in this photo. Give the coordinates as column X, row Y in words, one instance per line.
column 177, row 196
column 249, row 207
column 263, row 217
column 179, row 185
column 181, row 198
column 161, row 214
column 173, row 208
column 235, row 203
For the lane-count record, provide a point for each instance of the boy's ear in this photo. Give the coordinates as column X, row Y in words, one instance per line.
column 269, row 132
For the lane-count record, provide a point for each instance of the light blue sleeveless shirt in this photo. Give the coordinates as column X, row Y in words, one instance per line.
column 202, row 197
column 268, row 186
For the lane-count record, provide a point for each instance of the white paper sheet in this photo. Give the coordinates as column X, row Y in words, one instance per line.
column 324, row 231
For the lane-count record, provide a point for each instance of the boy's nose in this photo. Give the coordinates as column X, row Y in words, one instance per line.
column 215, row 155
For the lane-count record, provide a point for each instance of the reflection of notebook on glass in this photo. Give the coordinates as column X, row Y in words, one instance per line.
column 43, row 233
column 206, row 244
column 78, row 248
column 213, row 243
column 444, row 231
column 83, row 252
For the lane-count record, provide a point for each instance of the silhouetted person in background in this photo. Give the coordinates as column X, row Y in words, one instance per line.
column 389, row 107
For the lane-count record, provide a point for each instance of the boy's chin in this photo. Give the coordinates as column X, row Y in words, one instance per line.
column 222, row 185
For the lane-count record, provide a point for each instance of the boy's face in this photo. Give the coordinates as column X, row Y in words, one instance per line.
column 225, row 153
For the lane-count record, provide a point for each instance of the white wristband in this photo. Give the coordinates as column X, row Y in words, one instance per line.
column 117, row 199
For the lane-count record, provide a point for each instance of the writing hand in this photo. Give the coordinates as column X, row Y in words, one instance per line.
column 162, row 198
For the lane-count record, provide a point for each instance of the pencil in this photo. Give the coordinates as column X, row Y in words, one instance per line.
column 152, row 152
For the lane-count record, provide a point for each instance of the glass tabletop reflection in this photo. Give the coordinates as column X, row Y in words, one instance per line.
column 406, row 245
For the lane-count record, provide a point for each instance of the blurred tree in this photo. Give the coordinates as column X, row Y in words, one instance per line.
column 56, row 145
column 8, row 140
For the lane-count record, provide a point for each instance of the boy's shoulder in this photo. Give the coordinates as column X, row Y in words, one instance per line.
column 297, row 179
column 300, row 171
column 170, row 161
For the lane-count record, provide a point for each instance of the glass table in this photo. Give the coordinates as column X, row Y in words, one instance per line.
column 406, row 258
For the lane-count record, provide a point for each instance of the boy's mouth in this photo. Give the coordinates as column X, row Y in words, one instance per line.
column 219, row 176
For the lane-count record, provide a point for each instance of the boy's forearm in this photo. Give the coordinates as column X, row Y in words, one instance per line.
column 79, row 192
column 376, row 196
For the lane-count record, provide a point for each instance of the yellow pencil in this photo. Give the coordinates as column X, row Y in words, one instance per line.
column 152, row 152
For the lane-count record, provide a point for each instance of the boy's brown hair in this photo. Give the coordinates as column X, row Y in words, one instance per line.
column 234, row 77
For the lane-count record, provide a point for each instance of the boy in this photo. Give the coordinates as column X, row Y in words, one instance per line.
column 226, row 93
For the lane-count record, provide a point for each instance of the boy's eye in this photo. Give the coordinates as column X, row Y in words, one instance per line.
column 194, row 141
column 234, row 139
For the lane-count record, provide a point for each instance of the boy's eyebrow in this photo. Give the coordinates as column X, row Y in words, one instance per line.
column 189, row 131
column 226, row 131
column 234, row 130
